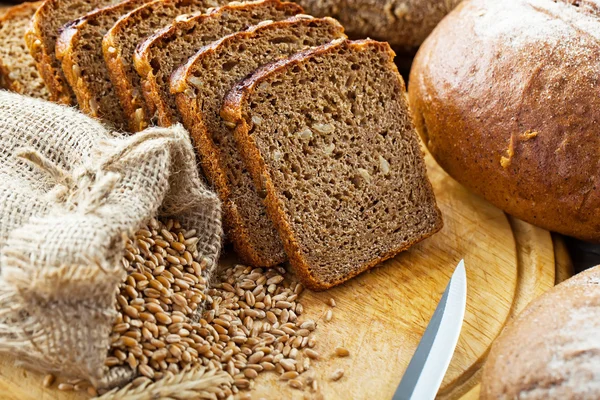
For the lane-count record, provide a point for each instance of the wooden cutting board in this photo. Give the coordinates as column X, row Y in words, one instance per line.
column 381, row 315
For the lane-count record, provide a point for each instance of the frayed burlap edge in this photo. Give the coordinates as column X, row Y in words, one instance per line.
column 58, row 317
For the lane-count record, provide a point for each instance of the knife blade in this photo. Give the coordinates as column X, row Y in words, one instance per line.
column 427, row 368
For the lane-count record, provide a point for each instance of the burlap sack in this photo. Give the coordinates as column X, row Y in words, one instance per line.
column 69, row 191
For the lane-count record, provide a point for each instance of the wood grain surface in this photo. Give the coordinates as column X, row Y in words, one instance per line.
column 381, row 315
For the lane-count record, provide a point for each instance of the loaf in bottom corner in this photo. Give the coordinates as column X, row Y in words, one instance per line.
column 552, row 351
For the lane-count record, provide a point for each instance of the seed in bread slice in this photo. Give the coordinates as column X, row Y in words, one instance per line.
column 41, row 40
column 17, row 68
column 201, row 85
column 120, row 42
column 79, row 48
column 159, row 55
column 328, row 136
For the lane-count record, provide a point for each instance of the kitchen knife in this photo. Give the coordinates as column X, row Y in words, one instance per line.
column 427, row 368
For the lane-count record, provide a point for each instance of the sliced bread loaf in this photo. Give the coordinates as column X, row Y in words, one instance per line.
column 328, row 136
column 41, row 41
column 79, row 48
column 200, row 86
column 119, row 46
column 159, row 55
column 17, row 68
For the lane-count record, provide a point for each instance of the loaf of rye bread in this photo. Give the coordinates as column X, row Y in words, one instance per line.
column 158, row 56
column 121, row 40
column 200, row 86
column 41, row 36
column 17, row 68
column 552, row 350
column 79, row 49
column 506, row 95
column 328, row 138
column 404, row 24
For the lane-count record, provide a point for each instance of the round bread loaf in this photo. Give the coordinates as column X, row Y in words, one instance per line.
column 552, row 350
column 506, row 95
column 404, row 23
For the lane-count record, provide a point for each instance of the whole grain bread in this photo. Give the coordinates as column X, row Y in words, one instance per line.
column 513, row 110
column 79, row 48
column 158, row 56
column 17, row 68
column 41, row 36
column 201, row 85
column 328, row 138
column 552, row 350
column 404, row 24
column 119, row 46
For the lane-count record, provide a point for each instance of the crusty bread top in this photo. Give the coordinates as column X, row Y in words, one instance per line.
column 179, row 78
column 79, row 47
column 41, row 38
column 18, row 72
column 181, row 27
column 121, row 40
column 552, row 350
column 158, row 56
column 327, row 134
column 512, row 111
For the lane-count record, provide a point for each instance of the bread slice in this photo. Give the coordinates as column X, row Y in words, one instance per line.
column 119, row 46
column 328, row 136
column 17, row 67
column 201, row 85
column 159, row 55
column 41, row 41
column 79, row 48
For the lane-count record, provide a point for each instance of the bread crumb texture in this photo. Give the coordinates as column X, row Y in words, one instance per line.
column 344, row 172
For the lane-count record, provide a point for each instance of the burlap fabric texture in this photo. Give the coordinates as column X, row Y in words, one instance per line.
column 69, row 192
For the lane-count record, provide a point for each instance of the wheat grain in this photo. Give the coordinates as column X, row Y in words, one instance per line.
column 250, row 323
column 342, row 352
column 48, row 380
column 289, row 375
column 312, row 354
column 337, row 375
column 296, row 384
column 65, row 387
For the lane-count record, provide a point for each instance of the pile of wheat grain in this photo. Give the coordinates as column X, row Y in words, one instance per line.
column 252, row 322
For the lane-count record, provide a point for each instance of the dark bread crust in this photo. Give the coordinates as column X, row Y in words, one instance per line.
column 72, row 45
column 120, row 67
column 233, row 111
column 19, row 13
column 210, row 154
column 552, row 350
column 150, row 48
column 506, row 96
column 404, row 24
column 42, row 48
column 210, row 159
column 5, row 82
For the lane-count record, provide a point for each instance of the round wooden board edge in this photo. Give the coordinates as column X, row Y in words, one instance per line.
column 563, row 271
column 536, row 265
